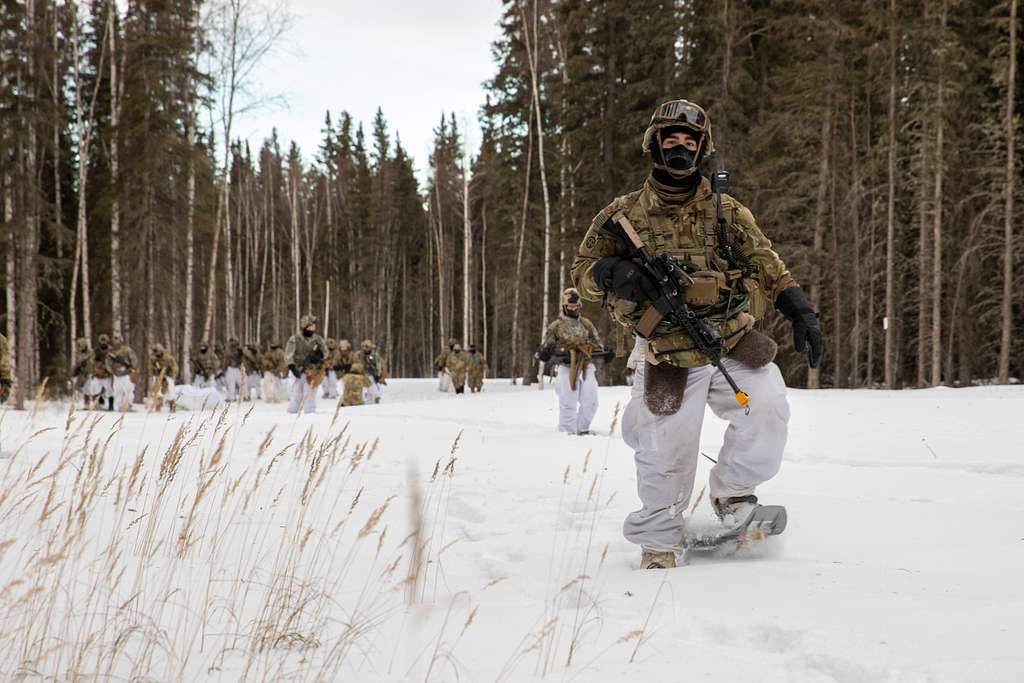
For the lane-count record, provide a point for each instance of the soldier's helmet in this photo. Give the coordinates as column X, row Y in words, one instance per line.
column 345, row 345
column 679, row 115
column 158, row 349
column 204, row 344
column 233, row 341
column 570, row 295
column 367, row 345
column 307, row 320
column 472, row 348
column 103, row 339
column 452, row 341
column 274, row 344
column 457, row 348
column 116, row 340
column 332, row 343
column 357, row 368
column 82, row 343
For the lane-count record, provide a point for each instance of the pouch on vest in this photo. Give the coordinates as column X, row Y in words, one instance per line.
column 703, row 291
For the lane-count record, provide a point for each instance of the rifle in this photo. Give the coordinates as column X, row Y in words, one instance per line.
column 671, row 281
column 315, row 357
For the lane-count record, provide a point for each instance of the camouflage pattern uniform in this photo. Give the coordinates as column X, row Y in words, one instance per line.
column 163, row 370
column 331, row 379
column 374, row 369
column 251, row 370
column 122, row 363
column 457, row 364
column 575, row 381
column 102, row 382
column 274, row 370
column 206, row 364
column 444, row 380
column 308, row 375
column 356, row 384
column 233, row 381
column 477, row 369
column 675, row 212
column 6, row 380
column 81, row 370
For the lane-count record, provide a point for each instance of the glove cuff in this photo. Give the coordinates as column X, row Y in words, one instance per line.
column 792, row 303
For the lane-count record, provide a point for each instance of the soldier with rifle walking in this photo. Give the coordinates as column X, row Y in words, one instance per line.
column 305, row 354
column 685, row 267
column 122, row 363
column 571, row 341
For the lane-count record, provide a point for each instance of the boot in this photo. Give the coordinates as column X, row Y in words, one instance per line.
column 735, row 511
column 171, row 405
column 110, row 403
column 657, row 559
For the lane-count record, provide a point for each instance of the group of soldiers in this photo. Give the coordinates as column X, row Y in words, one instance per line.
column 454, row 366
column 308, row 366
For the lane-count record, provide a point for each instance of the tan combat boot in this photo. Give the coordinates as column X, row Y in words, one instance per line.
column 658, row 559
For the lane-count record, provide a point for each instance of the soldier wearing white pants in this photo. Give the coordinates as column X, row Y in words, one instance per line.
column 303, row 396
column 576, row 407
column 570, row 339
column 305, row 355
column 232, row 382
column 685, row 267
column 668, row 446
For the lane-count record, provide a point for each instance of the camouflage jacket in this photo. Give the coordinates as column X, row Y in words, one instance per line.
column 734, row 299
column 100, row 369
column 121, row 361
column 571, row 334
column 251, row 360
column 354, row 383
column 457, row 363
column 273, row 361
column 233, row 356
column 477, row 364
column 207, row 363
column 370, row 363
column 299, row 349
column 5, row 361
column 83, row 363
column 164, row 363
column 441, row 362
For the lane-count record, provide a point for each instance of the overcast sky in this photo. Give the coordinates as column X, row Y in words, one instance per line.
column 413, row 58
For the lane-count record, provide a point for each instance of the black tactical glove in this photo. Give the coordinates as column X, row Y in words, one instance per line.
column 295, row 371
column 544, row 355
column 624, row 279
column 793, row 304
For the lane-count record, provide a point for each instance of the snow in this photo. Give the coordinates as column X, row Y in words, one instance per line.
column 903, row 559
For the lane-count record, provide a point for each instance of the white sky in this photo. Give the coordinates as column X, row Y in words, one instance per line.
column 414, row 58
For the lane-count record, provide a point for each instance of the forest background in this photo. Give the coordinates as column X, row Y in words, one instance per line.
column 877, row 144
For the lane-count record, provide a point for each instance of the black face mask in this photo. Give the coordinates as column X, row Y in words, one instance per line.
column 678, row 158
column 571, row 314
column 203, row 349
column 103, row 346
column 307, row 332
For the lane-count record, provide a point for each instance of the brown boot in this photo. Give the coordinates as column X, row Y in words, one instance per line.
column 658, row 559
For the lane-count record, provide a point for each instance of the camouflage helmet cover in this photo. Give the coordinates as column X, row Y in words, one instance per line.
column 331, row 343
column 344, row 344
column 684, row 114
column 357, row 368
column 367, row 345
column 104, row 339
column 570, row 295
column 457, row 347
column 307, row 320
column 82, row 343
column 116, row 339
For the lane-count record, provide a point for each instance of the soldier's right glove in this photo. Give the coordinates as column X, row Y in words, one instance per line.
column 624, row 279
column 295, row 371
column 544, row 355
column 793, row 304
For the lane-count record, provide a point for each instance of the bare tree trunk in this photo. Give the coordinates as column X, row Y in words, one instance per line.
column 467, row 249
column 190, row 257
column 439, row 246
column 27, row 282
column 1006, row 306
column 116, row 91
column 483, row 276
column 815, row 288
column 890, row 238
column 519, row 249
column 857, row 239
column 940, row 169
column 924, row 230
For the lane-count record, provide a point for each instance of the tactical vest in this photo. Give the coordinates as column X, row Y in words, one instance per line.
column 730, row 297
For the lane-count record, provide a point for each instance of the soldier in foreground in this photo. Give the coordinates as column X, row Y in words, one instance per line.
column 373, row 367
column 233, row 380
column 122, row 363
column 696, row 345
column 570, row 341
column 355, row 383
column 274, row 369
column 477, row 369
column 304, row 355
column 331, row 378
column 163, row 372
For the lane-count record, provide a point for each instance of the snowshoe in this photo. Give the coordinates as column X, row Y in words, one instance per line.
column 745, row 521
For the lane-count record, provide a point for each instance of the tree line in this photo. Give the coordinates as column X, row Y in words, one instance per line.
column 876, row 144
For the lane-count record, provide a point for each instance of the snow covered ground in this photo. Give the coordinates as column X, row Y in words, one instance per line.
column 231, row 544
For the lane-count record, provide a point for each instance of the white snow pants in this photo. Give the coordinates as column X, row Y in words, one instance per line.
column 273, row 389
column 124, row 392
column 204, row 383
column 252, row 384
column 99, row 388
column 331, row 384
column 232, row 382
column 576, row 408
column 303, row 396
column 667, row 447
column 444, row 382
column 373, row 393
